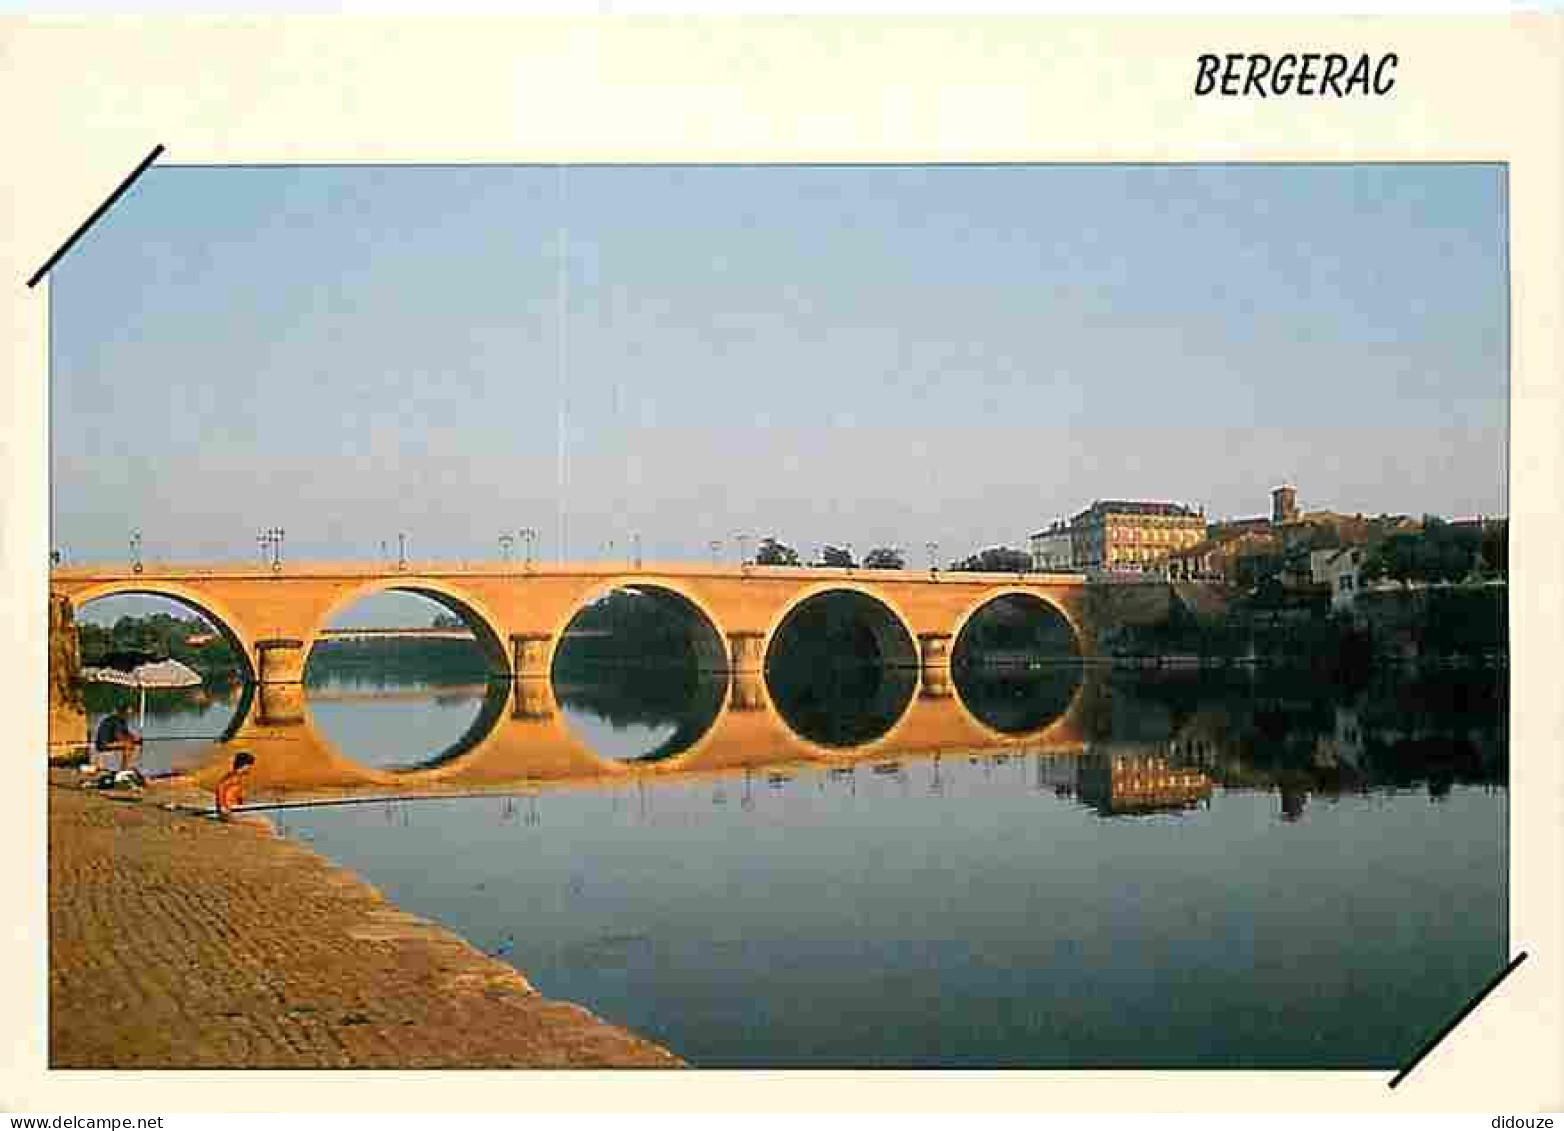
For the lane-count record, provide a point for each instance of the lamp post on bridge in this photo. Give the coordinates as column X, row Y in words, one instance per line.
column 135, row 551
column 743, row 541
column 529, row 536
column 636, row 539
column 401, row 551
column 270, row 541
column 933, row 549
column 506, row 542
column 716, row 549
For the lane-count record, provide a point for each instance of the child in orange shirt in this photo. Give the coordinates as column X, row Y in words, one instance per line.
column 230, row 790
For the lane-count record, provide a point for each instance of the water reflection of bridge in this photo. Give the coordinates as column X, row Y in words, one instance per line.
column 520, row 735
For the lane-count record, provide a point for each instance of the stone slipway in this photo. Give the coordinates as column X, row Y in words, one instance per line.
column 176, row 941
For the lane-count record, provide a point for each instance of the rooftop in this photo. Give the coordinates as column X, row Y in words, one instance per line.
column 1127, row 506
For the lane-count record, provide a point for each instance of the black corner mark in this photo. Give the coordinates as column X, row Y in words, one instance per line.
column 1459, row 1017
column 93, row 219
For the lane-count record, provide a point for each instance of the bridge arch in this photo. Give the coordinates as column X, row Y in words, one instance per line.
column 453, row 599
column 1013, row 593
column 709, row 638
column 228, row 625
column 899, row 649
column 855, row 706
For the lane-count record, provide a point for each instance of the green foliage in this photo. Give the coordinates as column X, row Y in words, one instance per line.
column 774, row 553
column 1438, row 552
column 995, row 559
column 836, row 556
column 627, row 627
column 1496, row 548
column 164, row 635
column 884, row 557
column 431, row 661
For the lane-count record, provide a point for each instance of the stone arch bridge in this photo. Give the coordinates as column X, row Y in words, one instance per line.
column 518, row 612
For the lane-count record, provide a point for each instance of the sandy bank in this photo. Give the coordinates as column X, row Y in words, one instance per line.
column 179, row 942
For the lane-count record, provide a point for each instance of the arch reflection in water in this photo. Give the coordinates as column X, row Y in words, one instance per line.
column 1015, row 629
column 646, row 714
column 638, row 674
column 1018, row 700
column 405, row 726
column 841, row 669
column 412, row 690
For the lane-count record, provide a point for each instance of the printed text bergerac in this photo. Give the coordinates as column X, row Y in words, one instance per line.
column 1307, row 75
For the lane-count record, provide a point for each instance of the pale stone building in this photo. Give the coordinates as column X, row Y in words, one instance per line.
column 1053, row 549
column 1138, row 536
column 1341, row 569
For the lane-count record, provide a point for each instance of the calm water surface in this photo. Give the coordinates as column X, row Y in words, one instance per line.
column 1204, row 872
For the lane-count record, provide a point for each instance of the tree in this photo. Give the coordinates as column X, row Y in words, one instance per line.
column 996, row 559
column 836, row 556
column 774, row 553
column 447, row 620
column 1437, row 552
column 1396, row 558
column 884, row 557
column 1496, row 548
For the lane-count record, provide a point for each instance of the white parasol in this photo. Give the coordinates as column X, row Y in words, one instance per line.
column 142, row 675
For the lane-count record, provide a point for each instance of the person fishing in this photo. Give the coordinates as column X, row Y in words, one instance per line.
column 114, row 734
column 230, row 790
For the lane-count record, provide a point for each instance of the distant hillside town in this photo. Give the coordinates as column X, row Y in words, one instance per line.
column 1297, row 550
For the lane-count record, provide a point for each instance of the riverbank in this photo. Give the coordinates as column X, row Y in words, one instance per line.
column 176, row 941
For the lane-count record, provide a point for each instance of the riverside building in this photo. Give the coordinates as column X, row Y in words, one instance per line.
column 1131, row 535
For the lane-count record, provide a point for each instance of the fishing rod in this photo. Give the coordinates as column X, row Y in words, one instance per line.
column 374, row 799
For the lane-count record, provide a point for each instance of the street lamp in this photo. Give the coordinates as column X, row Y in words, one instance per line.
column 271, row 540
column 135, row 551
column 528, row 537
column 850, row 558
column 401, row 551
column 743, row 541
column 636, row 539
column 716, row 548
column 933, row 549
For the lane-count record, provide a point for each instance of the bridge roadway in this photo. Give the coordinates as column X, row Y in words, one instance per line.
column 519, row 612
column 521, row 736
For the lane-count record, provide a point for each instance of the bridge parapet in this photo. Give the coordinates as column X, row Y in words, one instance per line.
column 519, row 615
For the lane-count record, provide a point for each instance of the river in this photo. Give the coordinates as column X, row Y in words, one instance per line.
column 1139, row 869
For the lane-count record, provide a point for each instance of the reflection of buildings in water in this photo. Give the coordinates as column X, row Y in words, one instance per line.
column 1118, row 783
column 1057, row 772
column 1294, row 798
column 1343, row 744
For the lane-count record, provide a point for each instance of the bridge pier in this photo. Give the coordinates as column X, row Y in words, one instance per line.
column 281, row 704
column 534, row 699
column 746, row 652
column 934, row 657
column 749, row 692
column 529, row 655
column 279, row 661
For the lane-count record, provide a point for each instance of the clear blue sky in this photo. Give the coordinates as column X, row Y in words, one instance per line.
column 873, row 355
